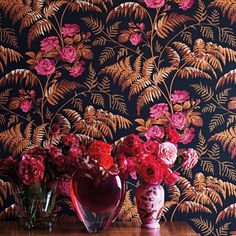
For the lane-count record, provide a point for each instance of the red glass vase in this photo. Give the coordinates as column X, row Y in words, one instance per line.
column 97, row 203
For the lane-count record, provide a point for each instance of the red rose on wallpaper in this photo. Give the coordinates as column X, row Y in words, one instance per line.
column 31, row 170
column 150, row 147
column 78, row 69
column 172, row 135
column 178, row 120
column 70, row 29
column 45, row 67
column 26, row 105
column 68, row 53
column 154, row 3
column 49, row 43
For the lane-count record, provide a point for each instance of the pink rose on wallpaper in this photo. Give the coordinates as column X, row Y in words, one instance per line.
column 78, row 69
column 155, row 133
column 32, row 93
column 45, row 67
column 135, row 39
column 186, row 4
column 154, row 3
column 49, row 43
column 158, row 110
column 26, row 106
column 31, row 170
column 68, row 53
column 190, row 159
column 70, row 29
column 141, row 26
column 180, row 96
column 178, row 120
column 167, row 153
column 187, row 136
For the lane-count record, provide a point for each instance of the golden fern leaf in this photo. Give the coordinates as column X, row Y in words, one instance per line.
column 162, row 74
column 168, row 23
column 228, row 212
column 38, row 29
column 4, row 96
column 173, row 57
column 204, row 225
column 189, row 206
column 8, row 55
column 173, row 193
column 223, row 230
column 201, row 13
column 94, row 24
column 104, row 128
column 20, row 14
column 18, row 76
column 231, row 120
column 126, row 10
column 80, row 5
column 28, row 131
column 58, row 90
column 228, row 8
column 106, row 54
column 183, row 183
column 90, row 114
column 216, row 121
column 64, row 123
column 90, row 130
column 53, row 7
column 29, row 20
column 39, row 134
column 229, row 188
column 73, row 115
column 204, row 91
column 138, row 86
column 229, row 77
column 121, row 122
column 191, row 72
column 214, row 196
column 148, row 66
column 148, row 95
column 9, row 213
column 216, row 185
column 118, row 103
column 37, row 5
column 184, row 49
column 199, row 182
column 227, row 138
column 8, row 36
column 167, row 206
column 106, row 118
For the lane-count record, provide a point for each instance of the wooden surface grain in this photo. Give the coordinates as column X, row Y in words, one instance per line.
column 177, row 228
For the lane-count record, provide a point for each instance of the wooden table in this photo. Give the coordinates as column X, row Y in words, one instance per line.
column 117, row 229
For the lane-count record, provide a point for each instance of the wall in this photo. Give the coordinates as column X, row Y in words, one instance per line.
column 118, row 74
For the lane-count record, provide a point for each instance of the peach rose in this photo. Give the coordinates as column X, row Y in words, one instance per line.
column 167, row 153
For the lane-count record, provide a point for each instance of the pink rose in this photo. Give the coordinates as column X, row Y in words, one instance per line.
column 70, row 29
column 32, row 93
column 141, row 26
column 158, row 110
column 167, row 153
column 68, row 53
column 187, row 136
column 26, row 105
column 45, row 67
column 135, row 39
column 31, row 170
column 49, row 43
column 154, row 3
column 78, row 69
column 186, row 4
column 178, row 120
column 180, row 96
column 155, row 133
column 190, row 159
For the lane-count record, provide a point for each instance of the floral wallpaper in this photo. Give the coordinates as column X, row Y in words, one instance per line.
column 96, row 67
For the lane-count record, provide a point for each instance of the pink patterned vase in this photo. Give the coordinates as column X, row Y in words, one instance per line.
column 150, row 200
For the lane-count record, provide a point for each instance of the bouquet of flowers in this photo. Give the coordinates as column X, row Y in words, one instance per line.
column 155, row 154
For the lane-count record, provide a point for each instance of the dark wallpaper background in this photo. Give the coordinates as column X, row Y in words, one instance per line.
column 115, row 82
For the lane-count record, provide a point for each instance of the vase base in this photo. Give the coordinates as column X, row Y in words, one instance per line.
column 154, row 225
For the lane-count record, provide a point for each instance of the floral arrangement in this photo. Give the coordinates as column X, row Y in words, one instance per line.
column 157, row 158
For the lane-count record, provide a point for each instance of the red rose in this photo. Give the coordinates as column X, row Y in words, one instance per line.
column 69, row 139
column 58, row 159
column 151, row 171
column 31, row 170
column 171, row 177
column 122, row 162
column 172, row 135
column 37, row 153
column 98, row 149
column 150, row 147
column 131, row 142
column 106, row 162
column 6, row 164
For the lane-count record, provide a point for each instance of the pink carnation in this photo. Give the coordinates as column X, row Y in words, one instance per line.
column 178, row 120
column 158, row 110
column 49, row 43
column 167, row 153
column 190, row 159
column 154, row 3
column 70, row 29
column 186, row 4
column 26, row 105
column 135, row 39
column 78, row 69
column 155, row 133
column 45, row 67
column 187, row 136
column 180, row 96
column 68, row 53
